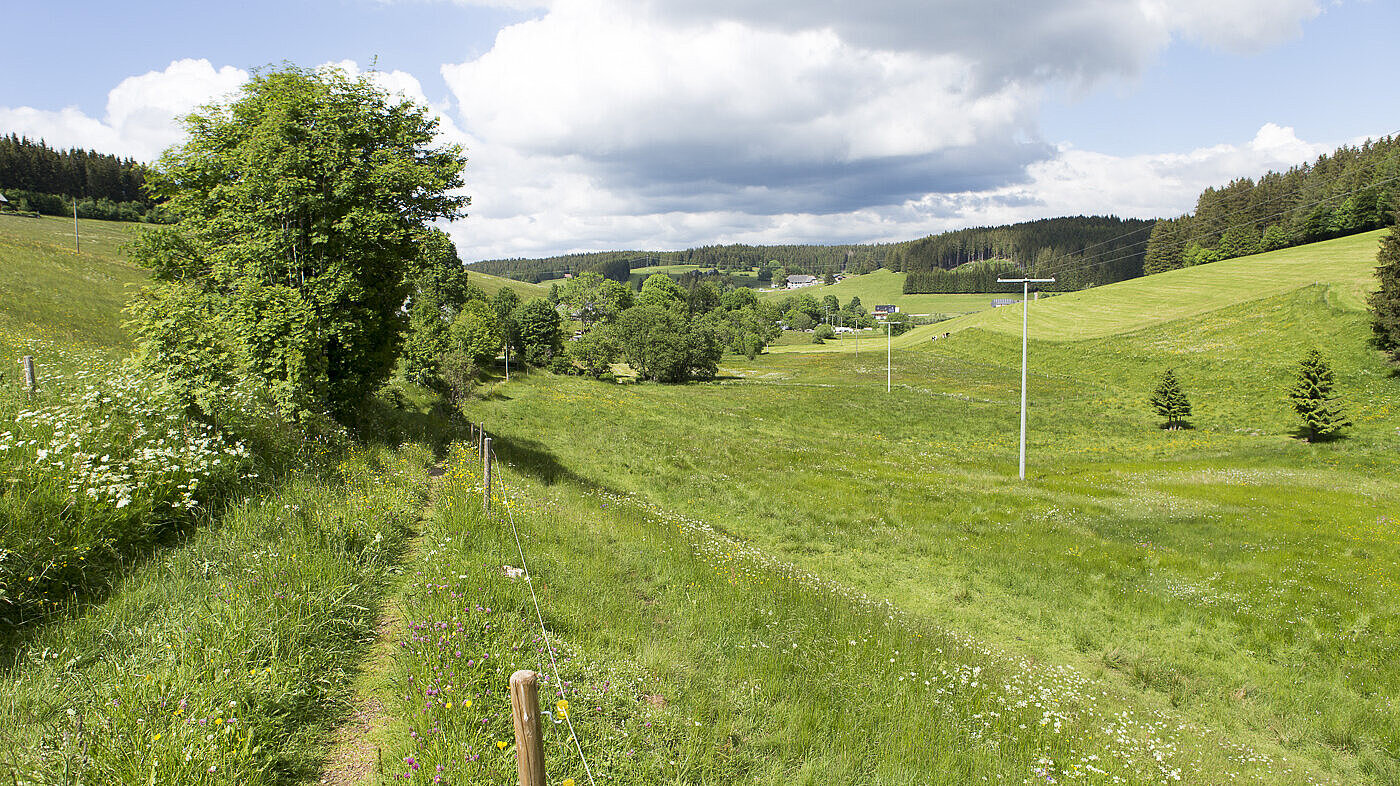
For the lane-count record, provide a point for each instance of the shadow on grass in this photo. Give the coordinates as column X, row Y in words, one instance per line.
column 532, row 458
column 1304, row 435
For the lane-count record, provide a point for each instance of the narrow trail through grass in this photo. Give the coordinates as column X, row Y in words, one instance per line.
column 354, row 757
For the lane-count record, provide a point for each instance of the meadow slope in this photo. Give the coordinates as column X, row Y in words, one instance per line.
column 1230, row 577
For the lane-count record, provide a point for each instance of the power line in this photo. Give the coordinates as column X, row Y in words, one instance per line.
column 1197, row 235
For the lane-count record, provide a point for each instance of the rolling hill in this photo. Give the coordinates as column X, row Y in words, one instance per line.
column 1346, row 266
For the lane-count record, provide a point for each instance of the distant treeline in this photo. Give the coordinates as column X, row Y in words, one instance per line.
column 1078, row 251
column 36, row 177
column 809, row 259
column 1081, row 251
column 1354, row 189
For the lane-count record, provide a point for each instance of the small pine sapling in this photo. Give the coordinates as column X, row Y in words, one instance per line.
column 1313, row 400
column 1170, row 401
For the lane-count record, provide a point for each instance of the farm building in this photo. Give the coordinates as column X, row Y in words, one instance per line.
column 800, row 281
column 1004, row 301
column 881, row 311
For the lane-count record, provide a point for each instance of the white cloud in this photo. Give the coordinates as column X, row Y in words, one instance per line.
column 141, row 112
column 671, row 123
column 610, row 124
column 1071, row 182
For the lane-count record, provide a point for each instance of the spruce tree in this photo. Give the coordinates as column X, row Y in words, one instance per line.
column 1313, row 399
column 1385, row 302
column 1170, row 401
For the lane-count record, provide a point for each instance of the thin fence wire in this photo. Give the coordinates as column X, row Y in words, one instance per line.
column 539, row 616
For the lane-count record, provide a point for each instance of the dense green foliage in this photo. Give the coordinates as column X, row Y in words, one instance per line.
column 1079, row 252
column 1313, row 399
column 1170, row 400
column 438, row 289
column 535, row 332
column 477, row 332
column 1385, row 301
column 35, row 177
column 1353, row 189
column 662, row 344
column 593, row 298
column 302, row 204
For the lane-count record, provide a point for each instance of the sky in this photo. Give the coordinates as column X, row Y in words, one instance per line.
column 665, row 124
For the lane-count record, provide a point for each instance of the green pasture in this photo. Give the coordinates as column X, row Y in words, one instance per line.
column 492, row 284
column 883, row 287
column 1347, row 265
column 1230, row 578
column 787, row 575
column 52, row 292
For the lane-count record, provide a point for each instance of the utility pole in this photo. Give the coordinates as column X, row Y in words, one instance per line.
column 1025, row 322
column 77, row 243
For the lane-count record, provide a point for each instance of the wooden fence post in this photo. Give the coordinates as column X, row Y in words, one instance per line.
column 529, row 740
column 486, row 473
column 30, row 382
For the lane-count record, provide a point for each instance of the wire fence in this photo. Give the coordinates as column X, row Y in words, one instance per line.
column 489, row 456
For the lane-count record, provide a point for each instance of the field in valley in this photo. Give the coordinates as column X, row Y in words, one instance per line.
column 785, row 576
column 885, row 287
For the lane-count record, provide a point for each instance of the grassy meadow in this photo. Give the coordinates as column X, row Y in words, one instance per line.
column 1229, row 579
column 783, row 576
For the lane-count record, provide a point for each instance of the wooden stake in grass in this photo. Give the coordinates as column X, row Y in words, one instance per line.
column 31, row 383
column 529, row 739
column 486, row 474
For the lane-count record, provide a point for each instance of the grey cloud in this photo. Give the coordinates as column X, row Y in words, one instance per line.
column 696, row 179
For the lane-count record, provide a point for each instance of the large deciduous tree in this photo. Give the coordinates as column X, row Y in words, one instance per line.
column 437, row 291
column 660, row 344
column 302, row 203
column 536, row 335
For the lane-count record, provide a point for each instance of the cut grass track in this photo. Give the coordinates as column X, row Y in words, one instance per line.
column 225, row 659
column 691, row 658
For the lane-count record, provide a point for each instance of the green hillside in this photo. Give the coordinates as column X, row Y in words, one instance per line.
column 884, row 287
column 52, row 292
column 492, row 284
column 1229, row 586
column 1346, row 265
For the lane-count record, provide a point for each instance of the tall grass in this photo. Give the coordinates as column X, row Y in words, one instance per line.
column 227, row 658
column 690, row 657
column 1232, row 576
